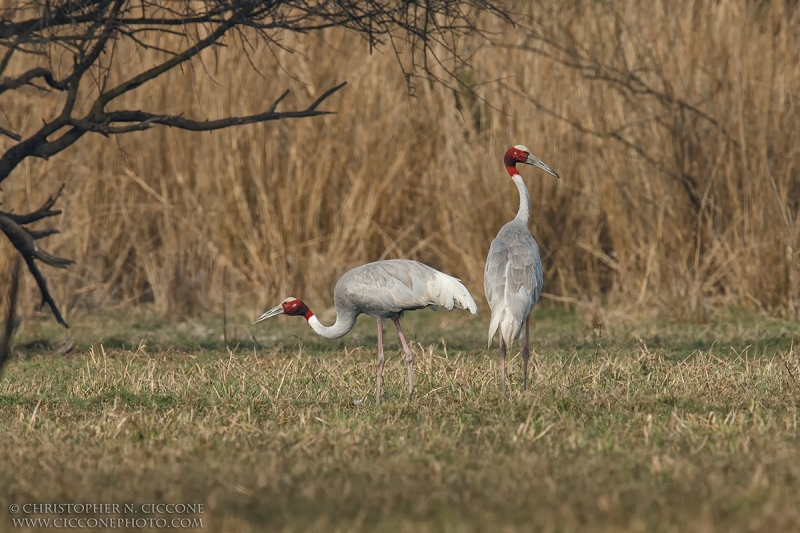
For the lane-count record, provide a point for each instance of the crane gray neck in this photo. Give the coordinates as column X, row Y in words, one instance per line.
column 524, row 212
column 345, row 320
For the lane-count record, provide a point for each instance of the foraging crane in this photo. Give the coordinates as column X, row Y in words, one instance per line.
column 383, row 289
column 512, row 279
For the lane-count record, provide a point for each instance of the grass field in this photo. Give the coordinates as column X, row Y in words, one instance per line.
column 653, row 427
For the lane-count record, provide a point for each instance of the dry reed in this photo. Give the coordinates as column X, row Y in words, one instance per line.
column 285, row 208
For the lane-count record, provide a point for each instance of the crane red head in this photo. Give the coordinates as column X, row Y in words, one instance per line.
column 290, row 306
column 521, row 154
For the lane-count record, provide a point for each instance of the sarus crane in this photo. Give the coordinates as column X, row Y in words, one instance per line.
column 512, row 279
column 383, row 290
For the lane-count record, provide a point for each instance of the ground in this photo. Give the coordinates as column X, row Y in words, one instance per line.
column 649, row 427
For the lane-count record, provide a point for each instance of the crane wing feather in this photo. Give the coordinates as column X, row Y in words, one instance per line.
column 512, row 279
column 387, row 288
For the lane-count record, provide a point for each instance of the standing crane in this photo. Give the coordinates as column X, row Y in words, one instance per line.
column 383, row 289
column 512, row 279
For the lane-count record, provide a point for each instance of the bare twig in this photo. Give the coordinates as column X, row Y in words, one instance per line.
column 10, row 134
column 23, row 239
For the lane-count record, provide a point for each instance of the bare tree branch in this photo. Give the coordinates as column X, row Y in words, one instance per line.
column 143, row 120
column 25, row 79
column 23, row 239
column 68, row 46
column 640, row 84
column 43, row 212
column 158, row 70
column 11, row 321
column 687, row 182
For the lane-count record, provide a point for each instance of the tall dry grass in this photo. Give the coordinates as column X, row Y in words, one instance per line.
column 703, row 215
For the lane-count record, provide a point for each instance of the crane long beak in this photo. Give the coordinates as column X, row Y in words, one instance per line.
column 277, row 310
column 535, row 161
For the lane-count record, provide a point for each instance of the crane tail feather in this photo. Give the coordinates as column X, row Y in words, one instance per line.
column 493, row 325
column 510, row 329
column 450, row 293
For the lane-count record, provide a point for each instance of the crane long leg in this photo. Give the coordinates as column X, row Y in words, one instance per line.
column 503, row 363
column 381, row 361
column 526, row 353
column 409, row 356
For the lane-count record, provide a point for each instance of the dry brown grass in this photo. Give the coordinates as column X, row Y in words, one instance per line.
column 658, row 428
column 279, row 208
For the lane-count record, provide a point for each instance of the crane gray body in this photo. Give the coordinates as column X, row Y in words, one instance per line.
column 385, row 289
column 512, row 279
